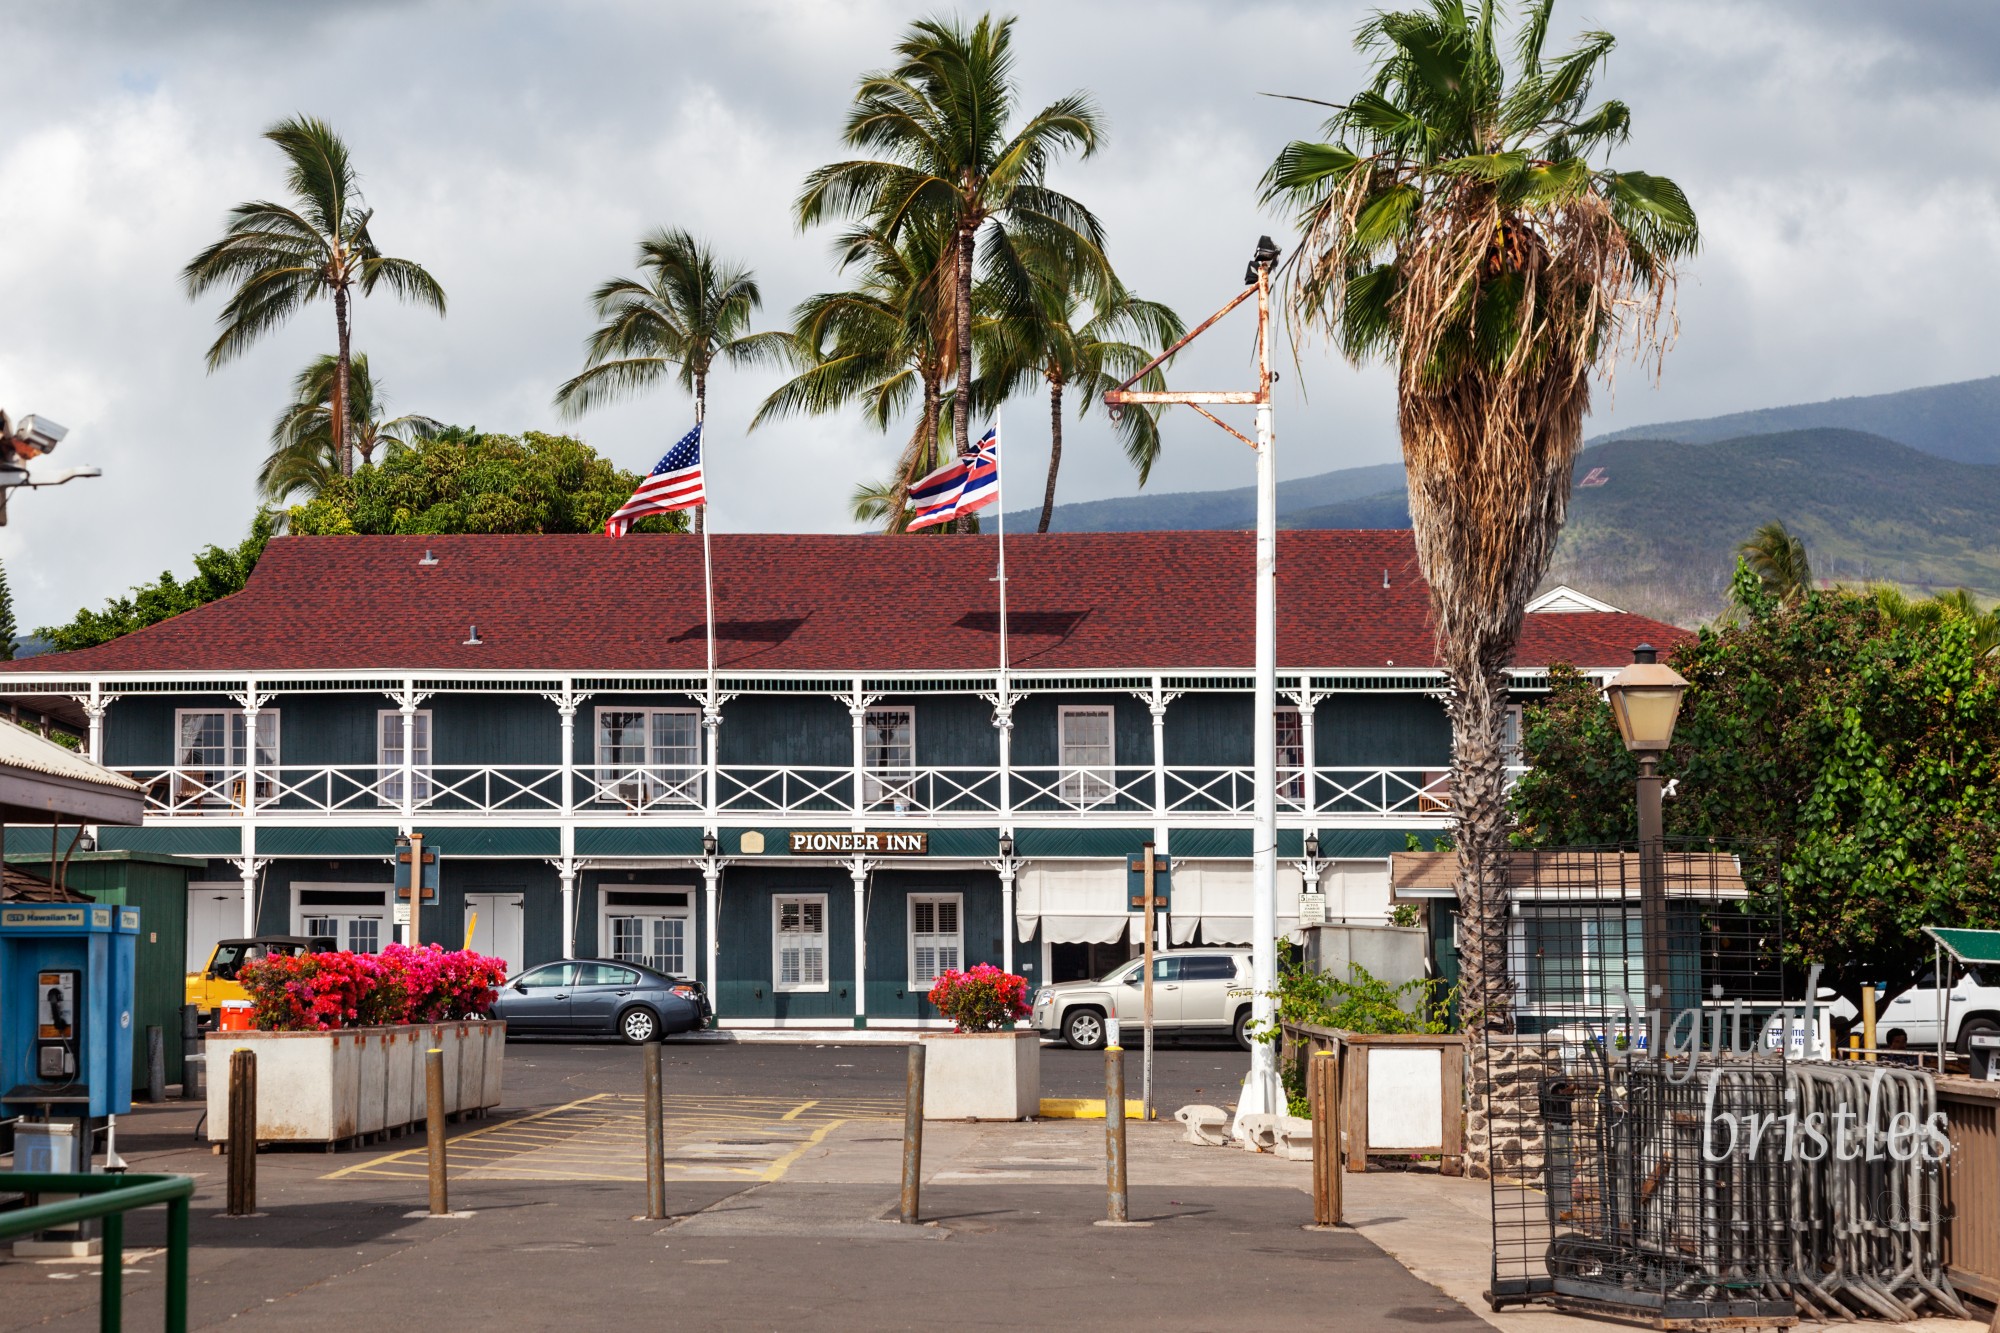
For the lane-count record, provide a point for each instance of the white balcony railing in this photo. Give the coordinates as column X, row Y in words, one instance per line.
column 278, row 791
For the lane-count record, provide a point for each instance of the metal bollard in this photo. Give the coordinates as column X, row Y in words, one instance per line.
column 1868, row 1020
column 434, row 1125
column 656, row 1138
column 242, row 1165
column 1324, row 1080
column 194, row 1059
column 1114, row 1133
column 156, row 1063
column 913, row 1135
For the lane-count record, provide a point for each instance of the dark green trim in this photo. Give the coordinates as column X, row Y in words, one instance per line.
column 638, row 842
column 135, row 858
column 480, row 840
column 332, row 840
column 1060, row 842
column 179, row 841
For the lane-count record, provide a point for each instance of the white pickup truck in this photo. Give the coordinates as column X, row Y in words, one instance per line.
column 1971, row 1006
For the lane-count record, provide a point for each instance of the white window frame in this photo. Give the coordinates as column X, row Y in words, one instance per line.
column 655, row 780
column 608, row 916
column 778, row 936
column 227, row 785
column 1511, row 736
column 1292, row 776
column 954, row 939
column 343, row 916
column 884, row 783
column 388, row 772
column 1086, row 784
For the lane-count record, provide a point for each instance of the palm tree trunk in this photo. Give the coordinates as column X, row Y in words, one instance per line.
column 340, row 433
column 1478, row 711
column 1055, row 451
column 700, row 415
column 961, row 407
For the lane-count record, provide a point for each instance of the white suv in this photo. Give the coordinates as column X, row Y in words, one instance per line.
column 1194, row 991
column 1972, row 1006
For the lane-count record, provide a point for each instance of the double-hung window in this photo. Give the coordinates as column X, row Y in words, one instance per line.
column 889, row 756
column 389, row 730
column 213, row 760
column 1083, row 735
column 798, row 942
column 1291, row 742
column 649, row 756
column 937, row 937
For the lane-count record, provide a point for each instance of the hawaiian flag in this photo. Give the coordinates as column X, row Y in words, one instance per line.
column 965, row 485
column 675, row 483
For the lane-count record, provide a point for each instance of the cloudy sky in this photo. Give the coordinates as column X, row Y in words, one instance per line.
column 1843, row 156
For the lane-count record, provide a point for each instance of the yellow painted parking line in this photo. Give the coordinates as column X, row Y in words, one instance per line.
column 1085, row 1108
column 777, row 1169
column 798, row 1110
column 463, row 1138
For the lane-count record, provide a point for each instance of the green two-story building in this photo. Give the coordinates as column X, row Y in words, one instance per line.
column 859, row 794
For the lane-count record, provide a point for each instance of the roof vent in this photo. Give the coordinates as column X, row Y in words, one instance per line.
column 472, row 638
column 1385, row 578
column 428, row 559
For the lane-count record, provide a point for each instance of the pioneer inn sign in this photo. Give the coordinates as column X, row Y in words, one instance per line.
column 859, row 801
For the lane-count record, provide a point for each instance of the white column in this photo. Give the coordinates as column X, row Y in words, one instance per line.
column 1008, row 869
column 93, row 707
column 711, row 721
column 857, row 870
column 857, row 711
column 1261, row 1095
column 566, row 868
column 1003, row 723
column 566, row 705
column 247, row 867
column 1308, row 756
column 711, row 905
column 1156, row 704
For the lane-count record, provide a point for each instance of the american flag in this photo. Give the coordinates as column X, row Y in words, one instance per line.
column 674, row 484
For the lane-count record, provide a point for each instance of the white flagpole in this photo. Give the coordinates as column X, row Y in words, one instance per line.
column 1000, row 524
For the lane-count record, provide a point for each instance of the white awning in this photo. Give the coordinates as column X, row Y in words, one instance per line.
column 1215, row 895
column 1072, row 902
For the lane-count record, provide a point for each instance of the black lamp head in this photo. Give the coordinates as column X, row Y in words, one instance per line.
column 709, row 844
column 1266, row 256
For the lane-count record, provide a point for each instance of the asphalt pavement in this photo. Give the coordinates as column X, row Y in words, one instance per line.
column 782, row 1188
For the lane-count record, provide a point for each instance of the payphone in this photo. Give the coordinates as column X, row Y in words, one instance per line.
column 55, row 1024
column 66, row 1002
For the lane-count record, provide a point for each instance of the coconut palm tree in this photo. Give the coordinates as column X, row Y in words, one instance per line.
column 303, row 454
column 279, row 256
column 940, row 120
column 1056, row 336
column 1777, row 556
column 888, row 340
column 690, row 310
column 1459, row 221
column 1898, row 607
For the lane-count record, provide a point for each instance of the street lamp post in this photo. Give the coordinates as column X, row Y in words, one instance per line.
column 1646, row 701
column 1261, row 1093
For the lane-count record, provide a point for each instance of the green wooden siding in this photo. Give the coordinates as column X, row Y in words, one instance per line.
column 1209, row 729
column 806, row 729
column 746, row 932
column 889, row 992
column 541, row 906
column 475, row 729
column 1382, row 730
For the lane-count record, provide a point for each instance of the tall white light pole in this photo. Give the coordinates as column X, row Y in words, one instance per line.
column 1261, row 1094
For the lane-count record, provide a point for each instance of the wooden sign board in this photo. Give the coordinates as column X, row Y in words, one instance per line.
column 1135, row 882
column 836, row 843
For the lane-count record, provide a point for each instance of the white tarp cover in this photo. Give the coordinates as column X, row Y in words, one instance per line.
column 1073, row 902
column 1215, row 895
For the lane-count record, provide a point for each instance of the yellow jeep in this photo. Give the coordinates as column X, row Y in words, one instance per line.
column 217, row 982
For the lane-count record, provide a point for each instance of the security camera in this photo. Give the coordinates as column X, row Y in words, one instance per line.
column 36, row 436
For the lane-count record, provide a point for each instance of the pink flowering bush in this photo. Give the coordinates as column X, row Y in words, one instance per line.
column 319, row 991
column 982, row 998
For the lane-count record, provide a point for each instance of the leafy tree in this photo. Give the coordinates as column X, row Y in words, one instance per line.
column 1777, row 556
column 1054, row 334
column 1899, row 608
column 1860, row 755
column 464, row 481
column 940, row 120
column 219, row 571
column 690, row 310
column 9, row 632
column 1456, row 223
column 280, row 256
column 303, row 454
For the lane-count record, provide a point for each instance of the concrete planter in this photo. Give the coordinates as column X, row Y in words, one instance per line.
column 326, row 1087
column 982, row 1075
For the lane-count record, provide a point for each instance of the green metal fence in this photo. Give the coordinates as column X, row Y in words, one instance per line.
column 109, row 1197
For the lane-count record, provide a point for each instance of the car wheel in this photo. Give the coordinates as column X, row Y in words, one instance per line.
column 638, row 1026
column 1971, row 1027
column 1084, row 1030
column 1242, row 1030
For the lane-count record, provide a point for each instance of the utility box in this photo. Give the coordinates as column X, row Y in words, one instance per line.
column 66, row 1009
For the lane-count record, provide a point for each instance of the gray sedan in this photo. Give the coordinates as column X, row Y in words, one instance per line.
column 586, row 997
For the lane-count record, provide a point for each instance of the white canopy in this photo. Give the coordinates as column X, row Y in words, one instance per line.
column 1073, row 902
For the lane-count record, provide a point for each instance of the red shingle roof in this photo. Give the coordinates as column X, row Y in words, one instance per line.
column 788, row 602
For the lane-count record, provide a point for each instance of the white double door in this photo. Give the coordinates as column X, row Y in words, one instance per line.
column 215, row 912
column 494, row 924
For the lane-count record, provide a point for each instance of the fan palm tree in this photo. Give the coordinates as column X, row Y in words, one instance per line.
column 690, row 310
column 1458, row 221
column 1897, row 607
column 1058, row 337
column 890, row 339
column 1777, row 556
column 940, row 120
column 279, row 256
column 303, row 454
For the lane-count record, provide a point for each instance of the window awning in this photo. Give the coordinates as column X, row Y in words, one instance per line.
column 1072, row 902
column 1215, row 895
column 1967, row 946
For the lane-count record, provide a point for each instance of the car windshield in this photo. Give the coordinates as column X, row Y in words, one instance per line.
column 1122, row 971
column 228, row 957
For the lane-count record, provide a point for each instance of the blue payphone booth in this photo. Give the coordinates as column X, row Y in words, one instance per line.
column 66, row 999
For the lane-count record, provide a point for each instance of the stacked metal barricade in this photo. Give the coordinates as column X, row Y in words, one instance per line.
column 1668, row 1155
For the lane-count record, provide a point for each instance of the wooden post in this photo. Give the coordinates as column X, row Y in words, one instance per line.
column 242, row 1129
column 434, row 1125
column 1354, row 1097
column 1323, row 1084
column 913, row 1136
column 1452, row 1159
column 1117, row 1208
column 656, row 1138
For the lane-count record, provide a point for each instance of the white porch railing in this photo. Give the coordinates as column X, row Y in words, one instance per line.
column 821, row 791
